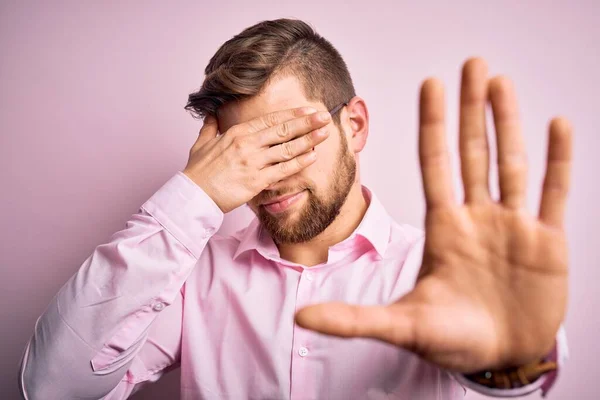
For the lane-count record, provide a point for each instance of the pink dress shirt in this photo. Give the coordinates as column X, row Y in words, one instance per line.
column 167, row 292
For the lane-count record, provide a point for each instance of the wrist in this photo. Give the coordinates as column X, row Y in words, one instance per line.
column 495, row 385
column 513, row 378
column 206, row 188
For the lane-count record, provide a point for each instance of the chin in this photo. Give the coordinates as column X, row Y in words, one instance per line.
column 287, row 219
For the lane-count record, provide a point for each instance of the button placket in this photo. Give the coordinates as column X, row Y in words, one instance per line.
column 301, row 343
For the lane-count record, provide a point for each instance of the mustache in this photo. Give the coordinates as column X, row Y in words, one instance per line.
column 268, row 195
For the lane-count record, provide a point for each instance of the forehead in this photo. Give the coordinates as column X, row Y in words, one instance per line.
column 281, row 93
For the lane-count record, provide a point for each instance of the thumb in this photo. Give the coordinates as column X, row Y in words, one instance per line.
column 393, row 324
column 209, row 131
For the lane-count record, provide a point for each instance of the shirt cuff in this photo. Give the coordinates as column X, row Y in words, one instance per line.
column 186, row 211
column 559, row 355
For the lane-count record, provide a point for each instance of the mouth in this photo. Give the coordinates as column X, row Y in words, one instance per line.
column 283, row 203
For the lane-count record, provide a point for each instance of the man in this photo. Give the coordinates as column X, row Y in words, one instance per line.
column 477, row 302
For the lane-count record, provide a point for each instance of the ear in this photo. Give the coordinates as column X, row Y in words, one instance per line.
column 357, row 124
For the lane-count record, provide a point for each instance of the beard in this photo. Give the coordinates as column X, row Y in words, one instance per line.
column 319, row 211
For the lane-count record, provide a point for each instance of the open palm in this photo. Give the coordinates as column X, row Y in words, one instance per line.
column 492, row 288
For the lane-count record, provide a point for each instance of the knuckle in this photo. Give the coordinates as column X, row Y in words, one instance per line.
column 287, row 151
column 283, row 130
column 271, row 119
column 513, row 158
column 554, row 187
column 238, row 143
column 284, row 167
column 309, row 140
column 476, row 144
column 435, row 160
column 308, row 121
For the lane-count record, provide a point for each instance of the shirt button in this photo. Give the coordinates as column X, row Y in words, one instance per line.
column 158, row 306
column 303, row 351
column 310, row 276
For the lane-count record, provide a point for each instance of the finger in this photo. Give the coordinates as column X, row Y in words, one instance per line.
column 288, row 150
column 512, row 160
column 273, row 119
column 473, row 144
column 556, row 181
column 282, row 170
column 293, row 128
column 208, row 131
column 433, row 152
column 377, row 322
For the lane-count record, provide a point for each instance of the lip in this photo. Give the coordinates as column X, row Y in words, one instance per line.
column 280, row 199
column 282, row 203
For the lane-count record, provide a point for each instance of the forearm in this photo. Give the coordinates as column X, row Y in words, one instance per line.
column 96, row 324
column 56, row 363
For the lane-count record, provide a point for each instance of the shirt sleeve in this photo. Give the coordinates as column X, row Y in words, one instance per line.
column 99, row 329
column 544, row 383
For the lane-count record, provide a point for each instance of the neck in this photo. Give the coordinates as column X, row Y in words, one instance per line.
column 316, row 250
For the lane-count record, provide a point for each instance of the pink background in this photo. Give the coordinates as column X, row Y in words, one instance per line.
column 92, row 123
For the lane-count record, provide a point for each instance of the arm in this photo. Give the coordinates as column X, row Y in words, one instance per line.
column 92, row 332
column 92, row 336
column 492, row 287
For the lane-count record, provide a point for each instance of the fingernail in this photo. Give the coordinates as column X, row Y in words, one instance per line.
column 324, row 116
column 308, row 110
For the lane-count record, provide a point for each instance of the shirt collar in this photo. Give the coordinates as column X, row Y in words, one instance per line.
column 375, row 227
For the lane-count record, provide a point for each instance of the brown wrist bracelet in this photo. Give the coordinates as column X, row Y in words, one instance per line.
column 512, row 378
